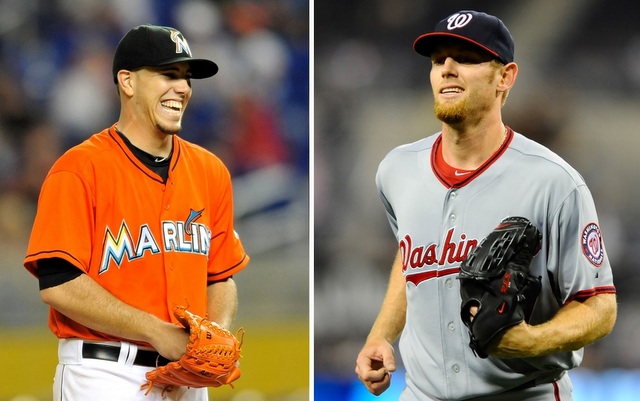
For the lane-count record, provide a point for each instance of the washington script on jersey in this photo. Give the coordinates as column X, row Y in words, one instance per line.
column 177, row 236
column 432, row 254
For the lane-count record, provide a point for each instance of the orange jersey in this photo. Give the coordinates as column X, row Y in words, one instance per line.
column 149, row 243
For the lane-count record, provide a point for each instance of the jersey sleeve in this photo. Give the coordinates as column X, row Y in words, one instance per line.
column 63, row 224
column 227, row 255
column 380, row 185
column 577, row 256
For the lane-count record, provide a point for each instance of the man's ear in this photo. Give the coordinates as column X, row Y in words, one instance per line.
column 125, row 82
column 508, row 78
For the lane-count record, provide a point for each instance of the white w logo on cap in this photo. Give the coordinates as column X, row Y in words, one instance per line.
column 181, row 42
column 458, row 20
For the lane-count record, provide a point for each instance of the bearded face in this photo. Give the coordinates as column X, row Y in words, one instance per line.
column 471, row 98
column 464, row 83
column 451, row 112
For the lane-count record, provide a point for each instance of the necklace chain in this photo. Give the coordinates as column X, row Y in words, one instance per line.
column 504, row 138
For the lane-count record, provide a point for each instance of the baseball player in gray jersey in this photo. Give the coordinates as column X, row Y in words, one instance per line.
column 443, row 195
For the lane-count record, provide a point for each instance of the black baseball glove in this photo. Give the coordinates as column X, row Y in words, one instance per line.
column 495, row 278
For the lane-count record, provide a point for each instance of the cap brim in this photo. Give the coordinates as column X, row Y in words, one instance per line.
column 200, row 68
column 425, row 44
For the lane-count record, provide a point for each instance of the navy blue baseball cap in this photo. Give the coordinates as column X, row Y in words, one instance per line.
column 478, row 28
column 155, row 46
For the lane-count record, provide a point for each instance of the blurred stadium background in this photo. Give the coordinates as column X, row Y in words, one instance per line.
column 578, row 92
column 56, row 90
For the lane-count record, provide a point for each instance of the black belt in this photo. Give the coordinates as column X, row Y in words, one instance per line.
column 112, row 353
column 523, row 386
column 539, row 381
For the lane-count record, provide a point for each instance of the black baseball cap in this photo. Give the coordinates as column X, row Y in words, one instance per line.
column 478, row 28
column 155, row 46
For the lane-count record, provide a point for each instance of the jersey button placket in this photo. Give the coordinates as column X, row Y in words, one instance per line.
column 168, row 188
column 450, row 199
column 165, row 215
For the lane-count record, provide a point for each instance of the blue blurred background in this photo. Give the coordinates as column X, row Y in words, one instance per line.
column 589, row 385
column 578, row 92
column 56, row 90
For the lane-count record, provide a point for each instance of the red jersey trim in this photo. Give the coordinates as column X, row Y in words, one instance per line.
column 584, row 294
column 470, row 177
column 417, row 278
column 556, row 390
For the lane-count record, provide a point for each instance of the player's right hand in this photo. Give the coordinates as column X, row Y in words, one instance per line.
column 374, row 365
column 170, row 340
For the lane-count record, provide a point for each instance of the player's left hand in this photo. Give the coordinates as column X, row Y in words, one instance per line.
column 496, row 282
column 210, row 360
column 515, row 342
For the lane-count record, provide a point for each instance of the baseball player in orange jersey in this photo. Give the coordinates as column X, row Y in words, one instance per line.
column 130, row 223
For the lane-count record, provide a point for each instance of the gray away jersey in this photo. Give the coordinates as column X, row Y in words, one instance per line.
column 437, row 226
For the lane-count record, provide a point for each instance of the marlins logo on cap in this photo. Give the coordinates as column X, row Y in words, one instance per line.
column 155, row 46
column 180, row 41
column 478, row 28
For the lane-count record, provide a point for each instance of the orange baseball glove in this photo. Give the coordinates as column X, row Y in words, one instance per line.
column 211, row 358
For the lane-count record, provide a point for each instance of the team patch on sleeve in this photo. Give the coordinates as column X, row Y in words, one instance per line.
column 592, row 244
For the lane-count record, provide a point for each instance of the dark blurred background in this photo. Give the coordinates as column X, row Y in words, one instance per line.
column 56, row 90
column 578, row 92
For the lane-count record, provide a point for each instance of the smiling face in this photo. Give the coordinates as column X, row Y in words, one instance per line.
column 464, row 80
column 161, row 95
